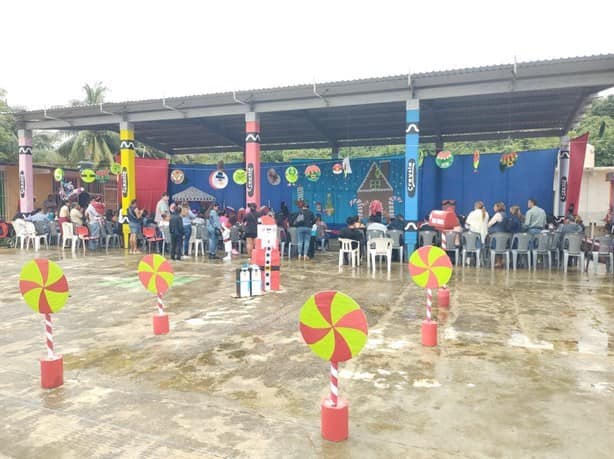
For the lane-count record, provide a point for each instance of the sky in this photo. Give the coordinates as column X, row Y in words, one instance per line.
column 148, row 49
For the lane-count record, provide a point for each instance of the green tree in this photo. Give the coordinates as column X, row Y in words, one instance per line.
column 599, row 123
column 8, row 135
column 99, row 147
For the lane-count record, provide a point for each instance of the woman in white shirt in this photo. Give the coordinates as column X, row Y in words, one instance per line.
column 477, row 220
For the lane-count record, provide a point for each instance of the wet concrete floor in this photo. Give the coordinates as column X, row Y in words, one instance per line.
column 524, row 366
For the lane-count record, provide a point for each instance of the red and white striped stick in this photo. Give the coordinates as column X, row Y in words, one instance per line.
column 160, row 304
column 49, row 335
column 429, row 303
column 334, row 383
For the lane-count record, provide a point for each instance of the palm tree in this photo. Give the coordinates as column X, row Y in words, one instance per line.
column 94, row 146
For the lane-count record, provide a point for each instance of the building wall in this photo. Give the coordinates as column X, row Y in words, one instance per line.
column 43, row 186
column 594, row 195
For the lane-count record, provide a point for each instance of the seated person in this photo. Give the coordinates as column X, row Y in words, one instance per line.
column 354, row 232
column 498, row 222
column 515, row 220
column 375, row 223
column 397, row 223
column 569, row 226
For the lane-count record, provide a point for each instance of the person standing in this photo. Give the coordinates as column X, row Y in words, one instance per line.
column 94, row 219
column 187, row 215
column 213, row 227
column 64, row 215
column 303, row 222
column 251, row 227
column 134, row 222
column 535, row 218
column 161, row 208
column 176, row 228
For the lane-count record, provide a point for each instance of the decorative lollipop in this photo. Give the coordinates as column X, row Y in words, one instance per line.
column 45, row 289
column 335, row 328
column 430, row 267
column 156, row 275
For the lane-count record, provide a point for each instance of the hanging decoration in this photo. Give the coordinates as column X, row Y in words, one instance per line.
column 240, row 177
column 347, row 169
column 291, row 175
column 337, row 169
column 116, row 168
column 102, row 176
column 330, row 209
column 476, row 161
column 58, row 174
column 88, row 176
column 218, row 180
column 313, row 173
column 507, row 160
column 177, row 176
column 273, row 177
column 444, row 159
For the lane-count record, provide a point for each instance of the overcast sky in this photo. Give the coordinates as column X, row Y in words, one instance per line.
column 143, row 50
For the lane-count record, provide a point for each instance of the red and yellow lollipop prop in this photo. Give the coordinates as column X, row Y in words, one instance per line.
column 430, row 267
column 335, row 328
column 156, row 274
column 45, row 289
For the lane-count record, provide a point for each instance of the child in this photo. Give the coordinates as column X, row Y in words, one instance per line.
column 227, row 240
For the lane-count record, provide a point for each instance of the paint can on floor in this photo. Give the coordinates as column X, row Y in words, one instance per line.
column 335, row 420
column 429, row 333
column 52, row 372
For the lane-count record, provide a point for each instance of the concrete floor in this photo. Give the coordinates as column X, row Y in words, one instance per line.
column 524, row 368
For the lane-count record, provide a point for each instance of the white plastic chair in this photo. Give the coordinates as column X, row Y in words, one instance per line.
column 379, row 247
column 345, row 247
column 197, row 240
column 69, row 235
column 292, row 240
column 397, row 242
column 602, row 251
column 19, row 225
column 572, row 247
column 37, row 238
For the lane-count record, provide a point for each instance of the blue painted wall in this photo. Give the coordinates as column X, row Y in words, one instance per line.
column 531, row 177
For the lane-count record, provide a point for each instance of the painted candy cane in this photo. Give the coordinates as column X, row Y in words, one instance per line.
column 359, row 206
column 391, row 201
column 334, row 383
column 49, row 334
column 429, row 303
column 160, row 304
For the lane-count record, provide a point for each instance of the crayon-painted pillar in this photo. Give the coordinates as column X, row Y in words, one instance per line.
column 128, row 183
column 563, row 177
column 412, row 140
column 26, row 178
column 252, row 158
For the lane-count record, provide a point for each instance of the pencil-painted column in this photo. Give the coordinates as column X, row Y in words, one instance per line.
column 26, row 175
column 252, row 158
column 128, row 182
column 412, row 140
column 560, row 210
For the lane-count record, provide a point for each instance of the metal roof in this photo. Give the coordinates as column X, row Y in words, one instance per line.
column 531, row 99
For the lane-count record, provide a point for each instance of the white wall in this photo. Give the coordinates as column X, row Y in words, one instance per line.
column 594, row 195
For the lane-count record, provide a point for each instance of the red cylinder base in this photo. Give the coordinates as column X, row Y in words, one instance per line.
column 335, row 420
column 443, row 298
column 52, row 372
column 429, row 333
column 160, row 324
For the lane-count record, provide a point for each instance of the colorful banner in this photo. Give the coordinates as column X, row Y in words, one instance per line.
column 577, row 152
